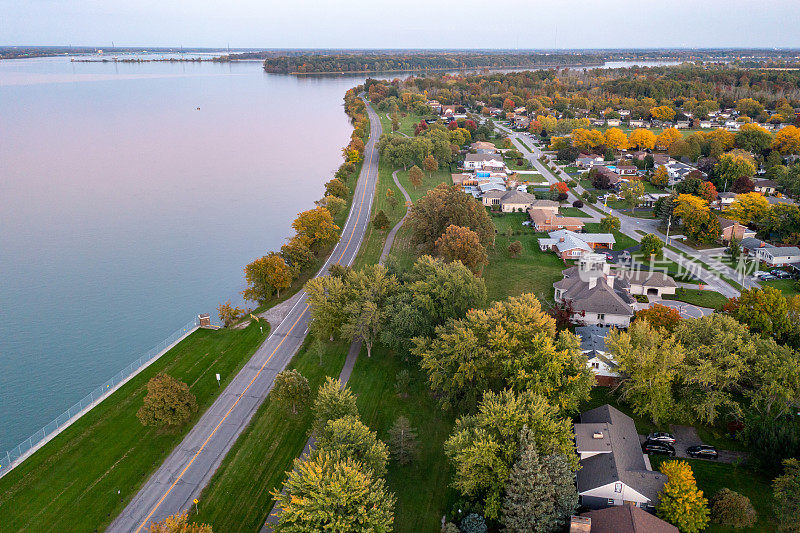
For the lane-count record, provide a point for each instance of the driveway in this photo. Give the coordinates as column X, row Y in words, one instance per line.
column 686, row 436
column 686, row 310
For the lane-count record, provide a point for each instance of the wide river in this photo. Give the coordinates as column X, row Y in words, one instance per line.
column 131, row 197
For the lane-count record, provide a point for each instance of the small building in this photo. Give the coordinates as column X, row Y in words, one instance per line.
column 725, row 199
column 765, row 186
column 588, row 160
column 570, row 245
column 545, row 220
column 613, row 122
column 778, row 256
column 481, row 161
column 613, row 472
column 682, row 124
column 646, row 282
column 733, row 229
column 622, row 519
column 637, row 123
column 774, row 200
column 706, row 124
column 627, row 170
column 513, row 201
column 598, row 360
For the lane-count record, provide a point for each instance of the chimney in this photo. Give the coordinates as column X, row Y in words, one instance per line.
column 580, row 524
column 597, row 435
column 592, row 282
column 610, row 279
column 561, row 239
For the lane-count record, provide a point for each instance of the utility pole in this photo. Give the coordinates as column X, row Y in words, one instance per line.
column 669, row 223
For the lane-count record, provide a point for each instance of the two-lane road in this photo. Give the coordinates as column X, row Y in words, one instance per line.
column 189, row 467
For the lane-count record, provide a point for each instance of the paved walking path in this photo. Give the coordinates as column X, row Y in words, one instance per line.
column 187, row 470
column 387, row 247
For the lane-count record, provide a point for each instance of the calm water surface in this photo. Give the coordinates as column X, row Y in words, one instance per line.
column 131, row 196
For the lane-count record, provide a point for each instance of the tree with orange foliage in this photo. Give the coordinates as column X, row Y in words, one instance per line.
column 615, row 139
column 667, row 138
column 317, row 226
column 708, row 192
column 664, row 113
column 787, row 140
column 462, row 244
column 508, row 104
column 660, row 316
column 178, row 523
column 642, row 139
column 560, row 186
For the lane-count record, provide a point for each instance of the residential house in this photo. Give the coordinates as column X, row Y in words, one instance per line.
column 463, row 179
column 570, row 245
column 490, row 186
column 750, row 245
column 548, row 220
column 639, row 124
column 482, row 147
column 705, row 124
column 766, row 186
column 509, row 201
column 598, row 122
column 646, row 282
column 660, row 159
column 650, row 199
column 677, row 172
column 682, row 124
column 624, row 112
column 732, row 125
column 613, row 177
column 593, row 294
column 725, row 199
column 613, row 122
column 778, row 256
column 481, row 161
column 613, row 472
column 620, row 519
column 773, row 200
column 588, row 161
column 435, row 105
column 733, row 229
column 601, row 363
column 627, row 170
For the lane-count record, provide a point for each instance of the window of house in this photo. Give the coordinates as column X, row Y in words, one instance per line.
column 611, row 501
column 595, row 365
column 601, row 316
column 618, row 487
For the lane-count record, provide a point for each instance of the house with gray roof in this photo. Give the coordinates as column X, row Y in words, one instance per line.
column 571, row 245
column 593, row 295
column 646, row 282
column 614, row 471
column 481, row 161
column 601, row 363
column 623, row 519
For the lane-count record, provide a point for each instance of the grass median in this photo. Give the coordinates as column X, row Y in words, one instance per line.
column 84, row 477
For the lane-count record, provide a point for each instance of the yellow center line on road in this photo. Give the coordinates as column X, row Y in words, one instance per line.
column 180, row 476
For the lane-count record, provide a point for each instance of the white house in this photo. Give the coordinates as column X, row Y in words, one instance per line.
column 481, row 161
column 613, row 469
column 778, row 256
column 593, row 295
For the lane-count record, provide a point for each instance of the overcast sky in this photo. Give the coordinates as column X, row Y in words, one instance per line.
column 402, row 23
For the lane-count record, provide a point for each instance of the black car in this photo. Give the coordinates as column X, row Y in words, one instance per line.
column 654, row 447
column 661, row 437
column 702, row 451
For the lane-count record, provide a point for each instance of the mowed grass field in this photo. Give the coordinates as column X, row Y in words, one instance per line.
column 238, row 496
column 83, row 478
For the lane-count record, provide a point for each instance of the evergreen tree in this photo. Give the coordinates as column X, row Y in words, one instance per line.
column 403, row 441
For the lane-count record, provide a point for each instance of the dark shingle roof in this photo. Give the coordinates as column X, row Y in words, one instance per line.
column 627, row 519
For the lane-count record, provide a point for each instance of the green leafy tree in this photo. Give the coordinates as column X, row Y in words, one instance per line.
column 334, row 204
column 515, row 249
column 325, row 493
column 168, row 402
column 681, row 503
column 349, row 437
column 291, row 389
column 753, row 138
column 483, row 447
column 786, row 492
column 336, row 187
column 512, row 344
column 403, row 441
column 317, row 227
column 540, row 494
column 729, row 508
column 651, row 359
column 651, row 246
column 433, row 291
column 609, row 223
column 445, row 206
column 764, row 310
column 632, row 192
column 265, row 276
column 732, row 166
column 297, row 253
column 333, row 402
column 391, row 199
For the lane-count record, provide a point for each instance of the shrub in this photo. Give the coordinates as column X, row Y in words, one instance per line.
column 729, row 508
column 168, row 402
column 473, row 523
column 577, row 203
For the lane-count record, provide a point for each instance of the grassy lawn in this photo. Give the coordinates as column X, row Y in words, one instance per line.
column 712, row 476
column 523, row 143
column 73, row 480
column 407, row 123
column 238, row 496
column 512, row 165
column 704, row 298
column 422, row 487
column 639, row 212
column 572, row 212
column 787, row 286
column 533, row 271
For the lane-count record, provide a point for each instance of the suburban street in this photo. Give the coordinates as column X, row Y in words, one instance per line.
column 187, row 470
column 631, row 226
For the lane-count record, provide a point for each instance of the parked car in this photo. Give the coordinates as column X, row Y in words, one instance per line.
column 609, row 257
column 660, row 436
column 654, row 447
column 766, row 277
column 781, row 274
column 702, row 451
column 759, row 273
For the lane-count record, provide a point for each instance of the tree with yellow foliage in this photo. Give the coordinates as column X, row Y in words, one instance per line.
column 660, row 177
column 734, row 165
column 724, row 137
column 695, row 216
column 266, row 275
column 586, row 139
column 548, row 123
column 787, row 141
column 557, row 143
column 317, row 226
column 178, row 523
column 664, row 113
column 681, row 503
column 616, row 139
column 668, row 138
column 749, row 207
column 642, row 139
